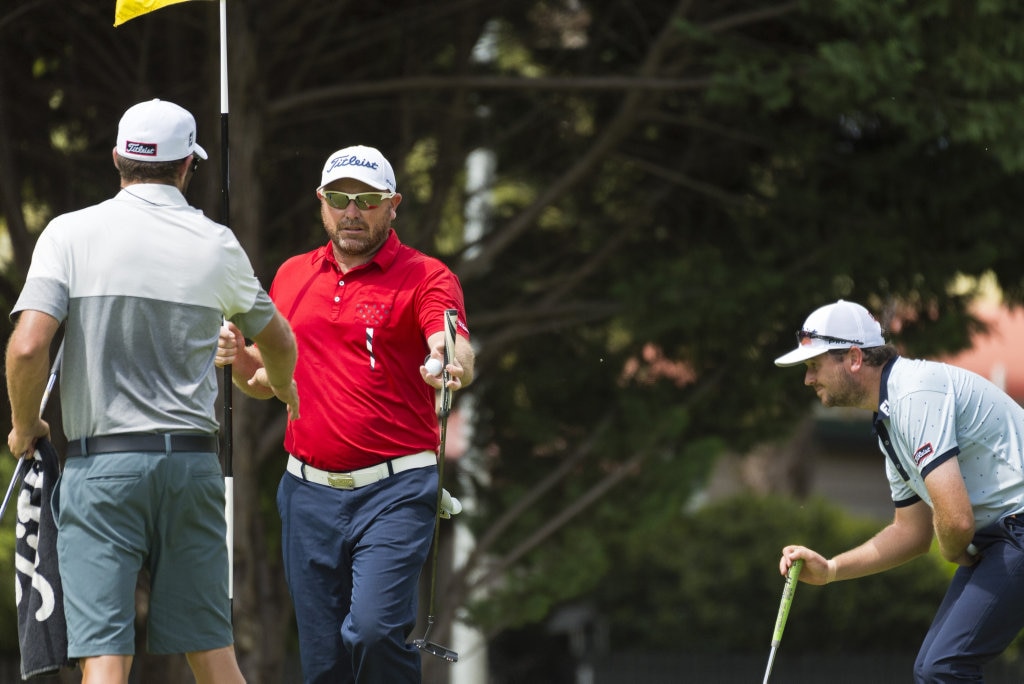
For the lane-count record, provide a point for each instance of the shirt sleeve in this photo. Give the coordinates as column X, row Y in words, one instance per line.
column 46, row 286
column 925, row 421
column 244, row 301
column 902, row 493
column 440, row 292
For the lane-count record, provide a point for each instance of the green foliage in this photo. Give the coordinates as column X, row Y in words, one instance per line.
column 8, row 609
column 710, row 580
column 527, row 594
column 585, row 555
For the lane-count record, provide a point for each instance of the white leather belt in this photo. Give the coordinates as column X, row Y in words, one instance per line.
column 363, row 476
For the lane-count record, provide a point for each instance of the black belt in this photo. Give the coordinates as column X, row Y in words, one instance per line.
column 109, row 444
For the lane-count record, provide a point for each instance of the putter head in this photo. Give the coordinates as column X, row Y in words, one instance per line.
column 436, row 650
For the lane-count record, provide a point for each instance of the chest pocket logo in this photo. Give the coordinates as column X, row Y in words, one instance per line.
column 373, row 314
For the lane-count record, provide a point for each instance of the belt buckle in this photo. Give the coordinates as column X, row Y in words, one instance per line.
column 341, row 480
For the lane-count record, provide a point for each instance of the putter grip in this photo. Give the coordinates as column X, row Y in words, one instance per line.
column 451, row 317
column 787, row 600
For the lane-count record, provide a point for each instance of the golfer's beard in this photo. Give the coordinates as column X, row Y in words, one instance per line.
column 844, row 393
column 368, row 243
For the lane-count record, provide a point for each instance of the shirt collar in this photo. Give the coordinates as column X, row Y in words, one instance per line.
column 153, row 193
column 883, row 391
column 388, row 252
column 383, row 259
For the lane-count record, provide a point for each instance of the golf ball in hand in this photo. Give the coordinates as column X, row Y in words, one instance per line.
column 433, row 366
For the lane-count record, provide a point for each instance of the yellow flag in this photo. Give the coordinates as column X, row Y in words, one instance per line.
column 129, row 9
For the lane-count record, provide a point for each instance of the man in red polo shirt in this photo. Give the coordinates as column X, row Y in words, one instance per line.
column 358, row 500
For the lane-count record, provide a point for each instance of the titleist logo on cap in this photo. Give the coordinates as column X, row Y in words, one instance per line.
column 351, row 160
column 148, row 149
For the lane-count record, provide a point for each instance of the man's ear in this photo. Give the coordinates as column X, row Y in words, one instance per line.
column 395, row 201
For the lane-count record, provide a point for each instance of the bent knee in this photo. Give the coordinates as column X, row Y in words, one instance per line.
column 928, row 671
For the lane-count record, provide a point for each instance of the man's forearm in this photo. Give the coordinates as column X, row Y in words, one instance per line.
column 279, row 365
column 26, row 382
column 953, row 537
column 276, row 353
column 27, row 365
column 907, row 537
column 953, row 515
column 247, row 362
column 467, row 359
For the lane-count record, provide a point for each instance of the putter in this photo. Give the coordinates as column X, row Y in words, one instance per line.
column 23, row 465
column 450, row 317
column 780, row 621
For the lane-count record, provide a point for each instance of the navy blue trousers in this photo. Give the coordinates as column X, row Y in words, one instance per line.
column 352, row 560
column 982, row 612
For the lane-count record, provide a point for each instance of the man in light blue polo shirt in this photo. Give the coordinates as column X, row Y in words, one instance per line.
column 954, row 446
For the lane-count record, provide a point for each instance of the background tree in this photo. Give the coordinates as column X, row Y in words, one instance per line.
column 675, row 185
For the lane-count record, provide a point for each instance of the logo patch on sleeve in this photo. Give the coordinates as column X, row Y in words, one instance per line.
column 923, row 453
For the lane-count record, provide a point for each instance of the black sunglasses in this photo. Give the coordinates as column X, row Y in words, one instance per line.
column 805, row 337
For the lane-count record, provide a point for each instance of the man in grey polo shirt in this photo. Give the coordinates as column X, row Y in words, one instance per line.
column 954, row 446
column 143, row 282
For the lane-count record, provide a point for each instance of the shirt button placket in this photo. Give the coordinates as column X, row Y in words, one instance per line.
column 336, row 309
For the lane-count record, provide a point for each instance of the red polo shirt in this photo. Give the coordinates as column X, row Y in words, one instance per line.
column 361, row 339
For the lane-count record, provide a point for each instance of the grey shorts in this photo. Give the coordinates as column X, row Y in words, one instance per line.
column 117, row 513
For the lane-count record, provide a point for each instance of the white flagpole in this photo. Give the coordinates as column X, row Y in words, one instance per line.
column 229, row 479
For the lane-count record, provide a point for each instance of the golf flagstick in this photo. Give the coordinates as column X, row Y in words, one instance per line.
column 225, row 190
column 23, row 463
column 125, row 10
column 784, row 605
column 450, row 318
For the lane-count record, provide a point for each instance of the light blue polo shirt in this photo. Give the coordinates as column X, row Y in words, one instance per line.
column 929, row 412
column 144, row 281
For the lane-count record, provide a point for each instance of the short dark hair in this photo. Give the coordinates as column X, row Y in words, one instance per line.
column 879, row 356
column 873, row 356
column 135, row 171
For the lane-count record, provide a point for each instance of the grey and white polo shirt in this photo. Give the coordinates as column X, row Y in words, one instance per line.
column 143, row 281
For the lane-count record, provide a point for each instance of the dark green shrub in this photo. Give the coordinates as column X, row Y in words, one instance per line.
column 709, row 581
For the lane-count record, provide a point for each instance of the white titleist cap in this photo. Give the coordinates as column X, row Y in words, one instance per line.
column 835, row 326
column 157, row 131
column 361, row 163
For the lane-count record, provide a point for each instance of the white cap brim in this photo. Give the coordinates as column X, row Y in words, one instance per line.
column 801, row 354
